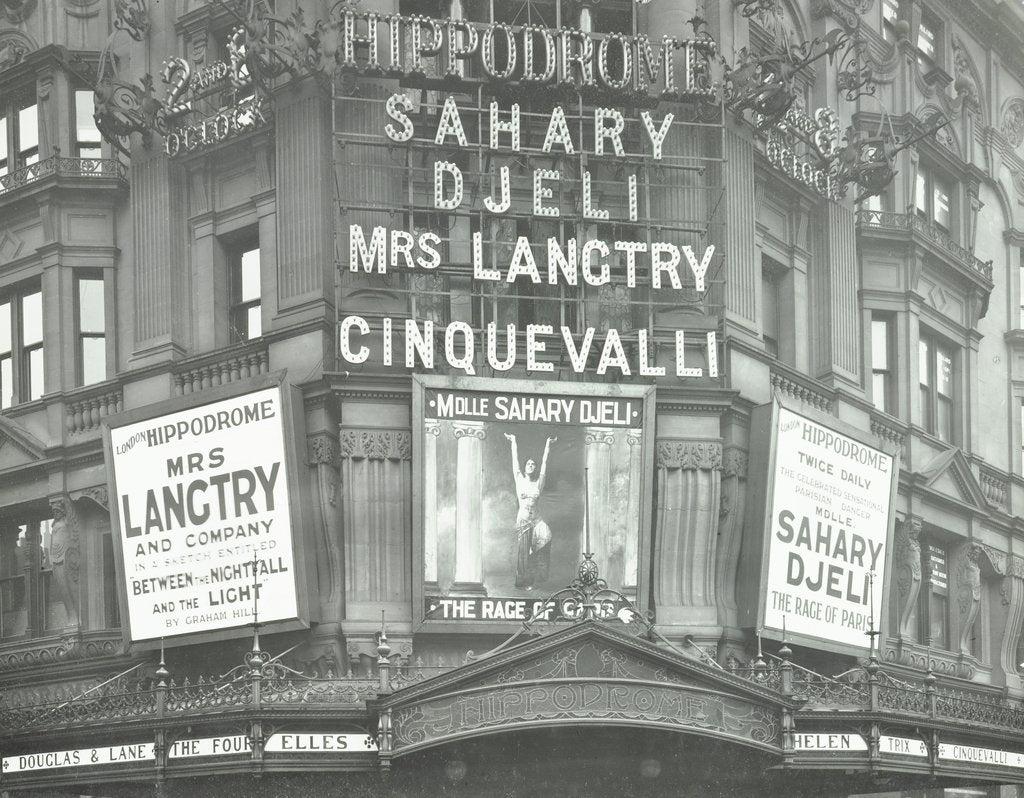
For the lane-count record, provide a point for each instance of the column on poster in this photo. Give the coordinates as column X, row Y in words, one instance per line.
column 431, row 431
column 634, row 479
column 598, row 442
column 469, row 566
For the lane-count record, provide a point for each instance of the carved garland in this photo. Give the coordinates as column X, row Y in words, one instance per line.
column 689, row 455
column 375, row 444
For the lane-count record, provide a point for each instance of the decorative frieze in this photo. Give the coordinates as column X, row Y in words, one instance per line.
column 374, row 444
column 800, row 392
column 322, row 449
column 689, row 455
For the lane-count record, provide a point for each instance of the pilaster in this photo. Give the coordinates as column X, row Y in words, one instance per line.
column 833, row 291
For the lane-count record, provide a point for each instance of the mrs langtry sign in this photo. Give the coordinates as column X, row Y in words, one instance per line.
column 203, row 514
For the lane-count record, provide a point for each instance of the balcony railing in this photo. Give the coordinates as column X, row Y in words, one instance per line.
column 59, row 166
column 914, row 224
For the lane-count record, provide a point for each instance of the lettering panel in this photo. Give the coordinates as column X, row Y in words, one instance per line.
column 827, row 533
column 203, row 517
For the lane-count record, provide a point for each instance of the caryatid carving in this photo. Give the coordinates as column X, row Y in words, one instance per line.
column 907, row 568
column 64, row 554
column 968, row 593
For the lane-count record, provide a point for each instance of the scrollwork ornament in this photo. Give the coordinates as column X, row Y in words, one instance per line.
column 132, row 17
column 17, row 11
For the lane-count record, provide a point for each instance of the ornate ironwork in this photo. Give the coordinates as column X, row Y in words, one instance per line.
column 62, row 167
column 132, row 17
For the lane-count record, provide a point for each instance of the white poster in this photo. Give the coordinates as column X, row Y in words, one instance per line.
column 204, row 523
column 828, row 533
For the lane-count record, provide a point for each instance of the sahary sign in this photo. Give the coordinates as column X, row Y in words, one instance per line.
column 509, row 471
column 827, row 534
column 203, row 517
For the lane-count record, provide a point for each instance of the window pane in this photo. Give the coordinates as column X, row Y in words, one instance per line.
column 3, row 143
column 28, row 130
column 250, row 275
column 940, row 204
column 879, row 344
column 879, row 390
column 94, row 359
column 937, row 617
column 1020, row 287
column 890, row 10
column 922, row 362
column 32, row 318
column 926, row 40
column 35, row 373
column 85, row 125
column 6, row 382
column 5, row 328
column 255, row 323
column 90, row 306
column 921, row 192
column 944, row 420
column 944, row 371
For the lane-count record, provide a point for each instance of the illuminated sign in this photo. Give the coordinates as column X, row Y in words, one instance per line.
column 826, row 532
column 204, row 522
column 525, row 55
column 829, row 742
column 903, row 746
column 981, row 756
column 231, row 745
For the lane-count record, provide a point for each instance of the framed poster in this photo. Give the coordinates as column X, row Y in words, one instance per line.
column 205, row 526
column 516, row 481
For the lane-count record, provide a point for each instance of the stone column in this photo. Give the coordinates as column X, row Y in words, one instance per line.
column 686, row 534
column 742, row 266
column 431, row 431
column 305, row 199
column 469, row 563
column 833, row 292
column 160, row 273
column 323, row 462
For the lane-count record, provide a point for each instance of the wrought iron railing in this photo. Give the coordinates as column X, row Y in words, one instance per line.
column 912, row 223
column 60, row 166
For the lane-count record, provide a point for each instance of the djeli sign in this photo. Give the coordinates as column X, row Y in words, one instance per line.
column 203, row 512
column 817, row 570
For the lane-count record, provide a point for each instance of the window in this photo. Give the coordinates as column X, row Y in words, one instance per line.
column 929, row 32
column 770, row 311
column 935, row 595
column 935, row 375
column 19, row 133
column 13, row 601
column 246, row 322
column 111, row 610
column 21, row 346
column 890, row 15
column 933, row 197
column 87, row 136
column 92, row 340
column 882, row 383
column 1020, row 287
column 32, row 590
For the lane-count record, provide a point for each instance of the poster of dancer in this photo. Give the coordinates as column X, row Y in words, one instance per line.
column 507, row 474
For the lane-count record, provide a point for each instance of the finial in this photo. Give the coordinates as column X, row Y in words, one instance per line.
column 383, row 649
column 785, row 652
column 759, row 663
column 162, row 674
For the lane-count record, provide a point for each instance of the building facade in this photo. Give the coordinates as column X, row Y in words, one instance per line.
column 482, row 397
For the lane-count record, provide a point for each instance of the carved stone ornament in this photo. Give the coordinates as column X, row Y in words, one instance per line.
column 689, row 455
column 16, row 11
column 734, row 463
column 13, row 48
column 965, row 84
column 846, row 11
column 322, row 449
column 375, row 444
column 1013, row 122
